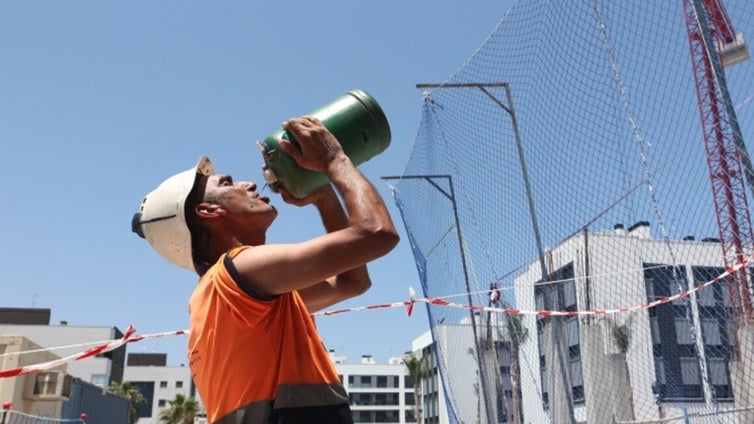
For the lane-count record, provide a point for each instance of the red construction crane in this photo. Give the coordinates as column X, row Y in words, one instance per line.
column 714, row 46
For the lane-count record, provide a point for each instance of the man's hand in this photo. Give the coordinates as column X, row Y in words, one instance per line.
column 318, row 147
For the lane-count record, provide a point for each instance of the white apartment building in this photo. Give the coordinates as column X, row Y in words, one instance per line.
column 377, row 393
column 679, row 361
column 158, row 383
column 433, row 402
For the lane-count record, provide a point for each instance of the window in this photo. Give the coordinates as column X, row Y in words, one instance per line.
column 408, row 382
column 577, row 379
column 163, row 384
column 655, row 330
column 561, row 295
column 146, row 388
column 408, row 399
column 99, row 380
column 179, row 384
column 718, row 372
column 362, row 417
column 690, row 371
column 381, row 381
column 716, row 314
column 706, row 297
column 683, row 331
column 676, row 285
column 161, row 403
column 673, row 336
column 711, row 331
column 573, row 331
column 390, row 416
column 569, row 293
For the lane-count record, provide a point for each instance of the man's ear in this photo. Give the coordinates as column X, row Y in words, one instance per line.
column 209, row 211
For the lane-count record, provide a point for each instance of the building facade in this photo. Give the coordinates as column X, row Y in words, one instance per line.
column 158, row 383
column 100, row 370
column 432, row 392
column 378, row 393
column 679, row 357
column 40, row 394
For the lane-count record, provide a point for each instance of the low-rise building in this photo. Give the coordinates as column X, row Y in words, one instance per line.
column 158, row 383
column 33, row 323
column 40, row 394
column 377, row 393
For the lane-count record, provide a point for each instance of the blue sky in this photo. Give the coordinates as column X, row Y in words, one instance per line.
column 102, row 100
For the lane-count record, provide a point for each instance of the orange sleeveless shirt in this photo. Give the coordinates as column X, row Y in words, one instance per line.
column 250, row 354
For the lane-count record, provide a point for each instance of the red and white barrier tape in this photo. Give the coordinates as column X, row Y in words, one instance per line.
column 442, row 302
column 129, row 336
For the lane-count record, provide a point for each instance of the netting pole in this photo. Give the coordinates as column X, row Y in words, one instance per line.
column 478, row 356
column 555, row 322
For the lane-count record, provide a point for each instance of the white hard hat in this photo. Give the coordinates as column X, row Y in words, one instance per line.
column 161, row 220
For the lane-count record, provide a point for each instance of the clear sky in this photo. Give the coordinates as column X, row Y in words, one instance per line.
column 101, row 100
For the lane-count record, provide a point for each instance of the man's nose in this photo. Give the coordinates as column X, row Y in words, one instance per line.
column 250, row 186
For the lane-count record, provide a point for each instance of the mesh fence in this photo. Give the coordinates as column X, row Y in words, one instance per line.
column 16, row 417
column 590, row 156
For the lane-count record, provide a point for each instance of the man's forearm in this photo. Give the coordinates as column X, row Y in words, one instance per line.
column 331, row 212
column 334, row 218
column 363, row 204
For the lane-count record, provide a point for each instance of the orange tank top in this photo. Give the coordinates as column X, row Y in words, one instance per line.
column 250, row 354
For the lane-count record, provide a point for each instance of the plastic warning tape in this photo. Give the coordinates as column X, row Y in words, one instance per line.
column 513, row 311
column 128, row 337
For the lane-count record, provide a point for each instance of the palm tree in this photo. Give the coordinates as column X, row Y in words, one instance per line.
column 182, row 410
column 134, row 396
column 518, row 335
column 622, row 335
column 418, row 369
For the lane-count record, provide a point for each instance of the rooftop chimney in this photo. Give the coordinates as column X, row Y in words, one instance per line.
column 640, row 230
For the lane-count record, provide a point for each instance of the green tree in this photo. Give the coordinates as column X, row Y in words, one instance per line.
column 418, row 369
column 134, row 396
column 182, row 410
column 622, row 334
column 518, row 335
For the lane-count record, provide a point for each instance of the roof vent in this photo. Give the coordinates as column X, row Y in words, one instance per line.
column 640, row 229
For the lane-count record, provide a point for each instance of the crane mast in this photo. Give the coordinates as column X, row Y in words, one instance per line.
column 715, row 45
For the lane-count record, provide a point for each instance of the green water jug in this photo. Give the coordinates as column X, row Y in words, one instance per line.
column 354, row 118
